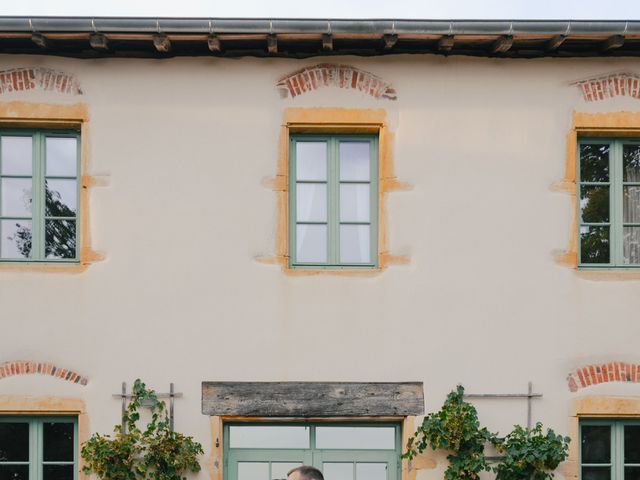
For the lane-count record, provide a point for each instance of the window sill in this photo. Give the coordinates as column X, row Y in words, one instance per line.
column 87, row 257
column 608, row 273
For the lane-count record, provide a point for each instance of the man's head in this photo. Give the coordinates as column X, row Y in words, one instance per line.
column 305, row 472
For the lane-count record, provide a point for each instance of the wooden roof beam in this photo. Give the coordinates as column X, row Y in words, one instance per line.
column 327, row 42
column 98, row 41
column 502, row 44
column 390, row 40
column 272, row 44
column 613, row 42
column 213, row 42
column 446, row 42
column 40, row 40
column 554, row 43
column 162, row 43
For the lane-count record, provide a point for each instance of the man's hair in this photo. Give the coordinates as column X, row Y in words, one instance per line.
column 307, row 472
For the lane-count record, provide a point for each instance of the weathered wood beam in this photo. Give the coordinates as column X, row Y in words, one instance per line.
column 162, row 43
column 214, row 43
column 502, row 44
column 390, row 40
column 446, row 42
column 98, row 41
column 327, row 42
column 613, row 42
column 40, row 40
column 272, row 44
column 554, row 43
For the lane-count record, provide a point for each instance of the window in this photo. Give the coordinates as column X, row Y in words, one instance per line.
column 610, row 450
column 39, row 191
column 333, row 201
column 38, row 448
column 341, row 451
column 609, row 206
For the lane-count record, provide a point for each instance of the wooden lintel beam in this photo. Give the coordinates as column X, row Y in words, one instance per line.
column 162, row 43
column 502, row 44
column 214, row 43
column 554, row 43
column 98, row 41
column 272, row 44
column 390, row 40
column 40, row 40
column 327, row 41
column 446, row 42
column 613, row 42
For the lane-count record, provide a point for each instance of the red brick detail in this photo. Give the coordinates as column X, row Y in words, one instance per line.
column 603, row 373
column 21, row 367
column 609, row 86
column 37, row 78
column 341, row 76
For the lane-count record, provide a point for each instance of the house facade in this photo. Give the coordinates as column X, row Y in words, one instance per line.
column 314, row 231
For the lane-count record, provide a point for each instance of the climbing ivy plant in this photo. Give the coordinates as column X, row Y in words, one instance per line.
column 153, row 453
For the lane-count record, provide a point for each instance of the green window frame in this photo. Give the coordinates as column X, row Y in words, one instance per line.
column 608, row 192
column 39, row 196
column 40, row 455
column 609, row 449
column 275, row 462
column 342, row 229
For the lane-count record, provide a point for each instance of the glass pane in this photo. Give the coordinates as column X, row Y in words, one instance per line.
column 596, row 473
column 631, row 205
column 355, row 202
column 337, row 471
column 596, row 444
column 632, row 444
column 355, row 244
column 14, row 472
column 311, row 243
column 594, row 163
column 594, row 244
column 311, row 161
column 355, row 161
column 62, row 198
column 311, row 202
column 268, row 437
column 594, row 204
column 362, row 438
column 60, row 239
column 14, row 442
column 631, row 247
column 16, row 155
column 58, row 442
column 16, row 197
column 62, row 160
column 253, row 471
column 632, row 473
column 16, row 238
column 631, row 161
column 58, row 472
column 371, row 471
column 279, row 470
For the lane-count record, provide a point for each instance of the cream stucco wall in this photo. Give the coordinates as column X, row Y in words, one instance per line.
column 185, row 146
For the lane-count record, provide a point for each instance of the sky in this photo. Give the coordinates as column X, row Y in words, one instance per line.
column 396, row 9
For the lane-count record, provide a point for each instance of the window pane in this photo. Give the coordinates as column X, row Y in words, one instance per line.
column 594, row 244
column 60, row 239
column 16, row 155
column 355, row 161
column 594, row 204
column 269, row 437
column 14, row 472
column 594, row 163
column 62, row 158
column 632, row 473
column 16, row 239
column 596, row 473
column 311, row 243
column 596, row 444
column 631, row 205
column 355, row 244
column 355, row 202
column 631, row 247
column 14, row 442
column 311, row 202
column 58, row 472
column 279, row 470
column 58, row 442
column 337, row 471
column 631, row 161
column 253, row 471
column 16, row 197
column 363, row 438
column 371, row 471
column 311, row 161
column 62, row 198
column 632, row 444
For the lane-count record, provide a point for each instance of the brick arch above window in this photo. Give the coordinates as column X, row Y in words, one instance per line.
column 22, row 367
column 331, row 75
column 596, row 374
column 621, row 84
column 38, row 78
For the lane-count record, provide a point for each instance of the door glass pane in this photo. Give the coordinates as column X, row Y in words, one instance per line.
column 253, row 471
column 14, row 472
column 371, row 471
column 632, row 473
column 62, row 198
column 596, row 473
column 311, row 161
column 594, row 204
column 311, row 243
column 355, row 163
column 60, row 238
column 355, row 244
column 355, row 202
column 14, row 442
column 631, row 162
column 594, row 163
column 594, row 244
column 596, row 444
column 62, row 157
column 279, row 470
column 58, row 441
column 58, row 472
column 632, row 444
column 631, row 248
column 362, row 438
column 337, row 471
column 265, row 436
column 311, row 202
column 16, row 197
column 631, row 205
column 16, row 239
column 16, row 155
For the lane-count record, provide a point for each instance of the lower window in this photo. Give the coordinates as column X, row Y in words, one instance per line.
column 38, row 448
column 610, row 450
column 340, row 451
